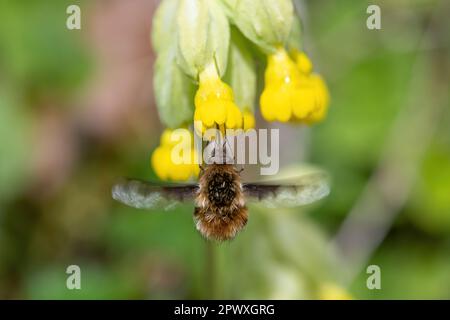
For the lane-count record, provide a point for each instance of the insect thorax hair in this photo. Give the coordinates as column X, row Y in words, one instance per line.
column 220, row 206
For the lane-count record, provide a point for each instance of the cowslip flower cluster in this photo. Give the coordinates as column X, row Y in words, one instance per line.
column 164, row 156
column 292, row 92
column 206, row 72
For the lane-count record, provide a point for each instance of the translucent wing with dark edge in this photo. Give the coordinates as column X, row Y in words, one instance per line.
column 291, row 192
column 147, row 195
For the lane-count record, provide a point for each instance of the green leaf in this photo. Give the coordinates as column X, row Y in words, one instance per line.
column 267, row 23
column 241, row 72
column 174, row 91
column 203, row 36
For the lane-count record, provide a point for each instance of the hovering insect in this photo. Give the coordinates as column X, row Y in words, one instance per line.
column 220, row 197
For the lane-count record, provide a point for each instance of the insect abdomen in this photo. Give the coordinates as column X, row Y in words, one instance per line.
column 220, row 227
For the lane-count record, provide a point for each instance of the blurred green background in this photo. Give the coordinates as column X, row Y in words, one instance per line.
column 77, row 111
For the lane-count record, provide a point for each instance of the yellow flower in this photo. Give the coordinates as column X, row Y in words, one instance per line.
column 291, row 92
column 168, row 164
column 317, row 97
column 304, row 64
column 248, row 120
column 331, row 291
column 281, row 92
column 321, row 99
column 214, row 103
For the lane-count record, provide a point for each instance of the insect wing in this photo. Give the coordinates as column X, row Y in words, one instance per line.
column 292, row 192
column 147, row 195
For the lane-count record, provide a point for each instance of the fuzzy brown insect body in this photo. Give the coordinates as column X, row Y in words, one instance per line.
column 220, row 211
column 220, row 197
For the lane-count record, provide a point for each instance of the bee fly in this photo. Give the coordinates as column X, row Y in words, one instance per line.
column 220, row 196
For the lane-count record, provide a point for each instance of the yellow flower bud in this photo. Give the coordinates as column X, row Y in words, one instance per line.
column 163, row 163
